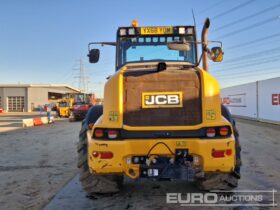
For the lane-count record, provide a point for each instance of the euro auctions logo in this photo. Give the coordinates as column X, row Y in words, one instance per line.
column 192, row 198
column 252, row 198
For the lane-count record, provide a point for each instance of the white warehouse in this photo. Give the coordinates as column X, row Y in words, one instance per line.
column 258, row 100
column 28, row 97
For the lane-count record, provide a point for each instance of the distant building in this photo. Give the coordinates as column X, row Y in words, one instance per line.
column 258, row 100
column 29, row 97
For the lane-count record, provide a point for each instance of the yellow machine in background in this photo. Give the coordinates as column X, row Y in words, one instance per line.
column 75, row 105
column 65, row 105
column 162, row 117
column 64, row 108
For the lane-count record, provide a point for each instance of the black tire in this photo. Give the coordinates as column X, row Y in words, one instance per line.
column 226, row 113
column 93, row 114
column 94, row 184
column 224, row 181
column 218, row 181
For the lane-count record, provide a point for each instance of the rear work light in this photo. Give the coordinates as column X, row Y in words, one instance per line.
column 122, row 32
column 113, row 134
column 182, row 30
column 131, row 31
column 210, row 132
column 190, row 31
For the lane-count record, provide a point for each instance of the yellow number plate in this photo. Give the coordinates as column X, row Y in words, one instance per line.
column 156, row 30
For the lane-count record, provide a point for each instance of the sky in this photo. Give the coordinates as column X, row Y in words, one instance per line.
column 42, row 41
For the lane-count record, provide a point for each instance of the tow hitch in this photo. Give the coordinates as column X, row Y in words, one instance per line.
column 179, row 166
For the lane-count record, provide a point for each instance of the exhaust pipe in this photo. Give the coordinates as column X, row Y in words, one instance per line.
column 204, row 39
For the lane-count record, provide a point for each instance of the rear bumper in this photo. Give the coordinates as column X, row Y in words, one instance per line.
column 124, row 151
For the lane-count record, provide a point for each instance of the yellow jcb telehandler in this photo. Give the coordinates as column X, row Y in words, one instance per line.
column 162, row 116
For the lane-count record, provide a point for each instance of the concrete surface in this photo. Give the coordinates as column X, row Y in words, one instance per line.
column 13, row 120
column 35, row 163
column 260, row 171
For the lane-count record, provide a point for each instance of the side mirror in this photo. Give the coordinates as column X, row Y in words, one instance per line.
column 216, row 54
column 180, row 46
column 93, row 55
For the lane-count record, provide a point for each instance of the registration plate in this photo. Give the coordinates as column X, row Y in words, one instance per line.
column 156, row 30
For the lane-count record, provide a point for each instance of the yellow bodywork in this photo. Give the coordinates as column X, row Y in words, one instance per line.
column 64, row 111
column 123, row 149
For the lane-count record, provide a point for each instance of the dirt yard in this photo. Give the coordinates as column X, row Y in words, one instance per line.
column 260, row 171
column 35, row 163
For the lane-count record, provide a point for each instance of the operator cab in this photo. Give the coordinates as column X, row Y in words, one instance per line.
column 80, row 99
column 156, row 44
column 176, row 44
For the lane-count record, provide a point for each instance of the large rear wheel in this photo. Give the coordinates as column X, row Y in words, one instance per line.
column 94, row 184
column 224, row 181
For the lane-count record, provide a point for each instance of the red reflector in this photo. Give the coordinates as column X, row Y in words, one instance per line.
column 112, row 134
column 106, row 155
column 228, row 152
column 98, row 133
column 224, row 131
column 218, row 153
column 211, row 132
column 95, row 154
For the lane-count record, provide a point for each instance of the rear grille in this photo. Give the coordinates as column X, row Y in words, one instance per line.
column 185, row 81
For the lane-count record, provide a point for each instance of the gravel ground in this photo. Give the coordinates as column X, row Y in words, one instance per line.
column 260, row 171
column 36, row 163
column 13, row 120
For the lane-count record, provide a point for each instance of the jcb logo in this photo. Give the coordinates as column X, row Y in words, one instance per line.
column 162, row 99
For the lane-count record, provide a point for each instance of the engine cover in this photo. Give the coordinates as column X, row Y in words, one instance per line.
column 165, row 98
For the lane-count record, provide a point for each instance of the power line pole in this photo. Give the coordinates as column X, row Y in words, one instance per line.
column 83, row 79
column 82, row 83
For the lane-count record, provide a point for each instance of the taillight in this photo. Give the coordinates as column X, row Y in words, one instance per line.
column 106, row 155
column 221, row 153
column 98, row 133
column 105, row 134
column 102, row 155
column 113, row 134
column 218, row 153
column 224, row 131
column 218, row 132
column 210, row 132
